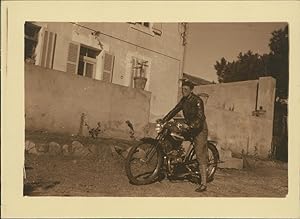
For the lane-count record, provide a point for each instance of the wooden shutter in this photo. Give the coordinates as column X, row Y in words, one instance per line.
column 108, row 67
column 73, row 57
column 133, row 70
column 48, row 49
column 157, row 28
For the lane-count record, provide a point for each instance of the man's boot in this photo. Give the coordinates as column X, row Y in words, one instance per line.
column 202, row 187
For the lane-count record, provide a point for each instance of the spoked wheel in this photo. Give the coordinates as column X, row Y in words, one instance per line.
column 212, row 161
column 143, row 163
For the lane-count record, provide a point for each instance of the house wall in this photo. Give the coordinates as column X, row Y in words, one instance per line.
column 164, row 53
column 55, row 101
column 237, row 129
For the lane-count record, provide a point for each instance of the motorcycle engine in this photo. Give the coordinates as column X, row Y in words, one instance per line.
column 171, row 144
column 173, row 150
column 174, row 156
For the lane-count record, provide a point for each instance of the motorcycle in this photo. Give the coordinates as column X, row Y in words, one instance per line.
column 153, row 160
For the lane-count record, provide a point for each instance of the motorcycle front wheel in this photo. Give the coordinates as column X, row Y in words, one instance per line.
column 143, row 163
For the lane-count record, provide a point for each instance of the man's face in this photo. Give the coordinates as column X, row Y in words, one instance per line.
column 186, row 90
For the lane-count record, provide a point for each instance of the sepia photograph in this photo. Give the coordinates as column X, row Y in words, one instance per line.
column 152, row 109
column 148, row 109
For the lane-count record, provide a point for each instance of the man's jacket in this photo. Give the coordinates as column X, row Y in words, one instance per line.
column 193, row 111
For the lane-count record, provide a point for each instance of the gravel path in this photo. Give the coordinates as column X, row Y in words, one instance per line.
column 105, row 176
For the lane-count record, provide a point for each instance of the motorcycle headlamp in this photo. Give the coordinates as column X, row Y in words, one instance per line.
column 158, row 127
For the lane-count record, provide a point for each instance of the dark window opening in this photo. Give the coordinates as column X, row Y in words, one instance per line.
column 87, row 61
column 31, row 41
column 146, row 24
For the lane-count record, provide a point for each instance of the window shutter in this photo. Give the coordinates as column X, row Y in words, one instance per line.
column 48, row 49
column 73, row 57
column 133, row 70
column 134, row 65
column 108, row 67
column 157, row 28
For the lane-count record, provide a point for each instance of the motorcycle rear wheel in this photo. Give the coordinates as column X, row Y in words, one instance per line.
column 143, row 163
column 212, row 161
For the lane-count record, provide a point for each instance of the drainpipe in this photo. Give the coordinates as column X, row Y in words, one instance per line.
column 256, row 99
column 183, row 35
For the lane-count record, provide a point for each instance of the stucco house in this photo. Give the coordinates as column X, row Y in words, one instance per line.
column 112, row 54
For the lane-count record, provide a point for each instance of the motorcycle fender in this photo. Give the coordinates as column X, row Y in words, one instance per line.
column 215, row 143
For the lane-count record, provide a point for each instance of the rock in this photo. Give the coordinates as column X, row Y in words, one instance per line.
column 29, row 145
column 66, row 149
column 225, row 154
column 113, row 150
column 227, row 161
column 42, row 147
column 76, row 145
column 54, row 148
column 232, row 163
column 79, row 150
column 93, row 149
column 33, row 151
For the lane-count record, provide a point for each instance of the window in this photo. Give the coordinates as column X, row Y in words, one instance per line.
column 40, row 45
column 87, row 61
column 145, row 27
column 31, row 41
column 139, row 67
column 144, row 24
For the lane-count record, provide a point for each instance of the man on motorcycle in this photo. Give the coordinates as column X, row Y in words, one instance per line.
column 193, row 112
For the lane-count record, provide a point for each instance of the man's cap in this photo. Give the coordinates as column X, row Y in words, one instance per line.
column 186, row 82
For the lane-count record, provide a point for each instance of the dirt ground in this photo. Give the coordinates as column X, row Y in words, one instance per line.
column 104, row 175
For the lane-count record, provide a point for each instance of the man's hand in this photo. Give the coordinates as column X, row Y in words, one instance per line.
column 160, row 121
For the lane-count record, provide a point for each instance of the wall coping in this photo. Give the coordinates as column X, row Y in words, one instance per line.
column 235, row 83
column 92, row 80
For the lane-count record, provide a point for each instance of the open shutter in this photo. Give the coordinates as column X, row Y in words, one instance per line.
column 48, row 49
column 133, row 70
column 108, row 67
column 157, row 28
column 73, row 57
